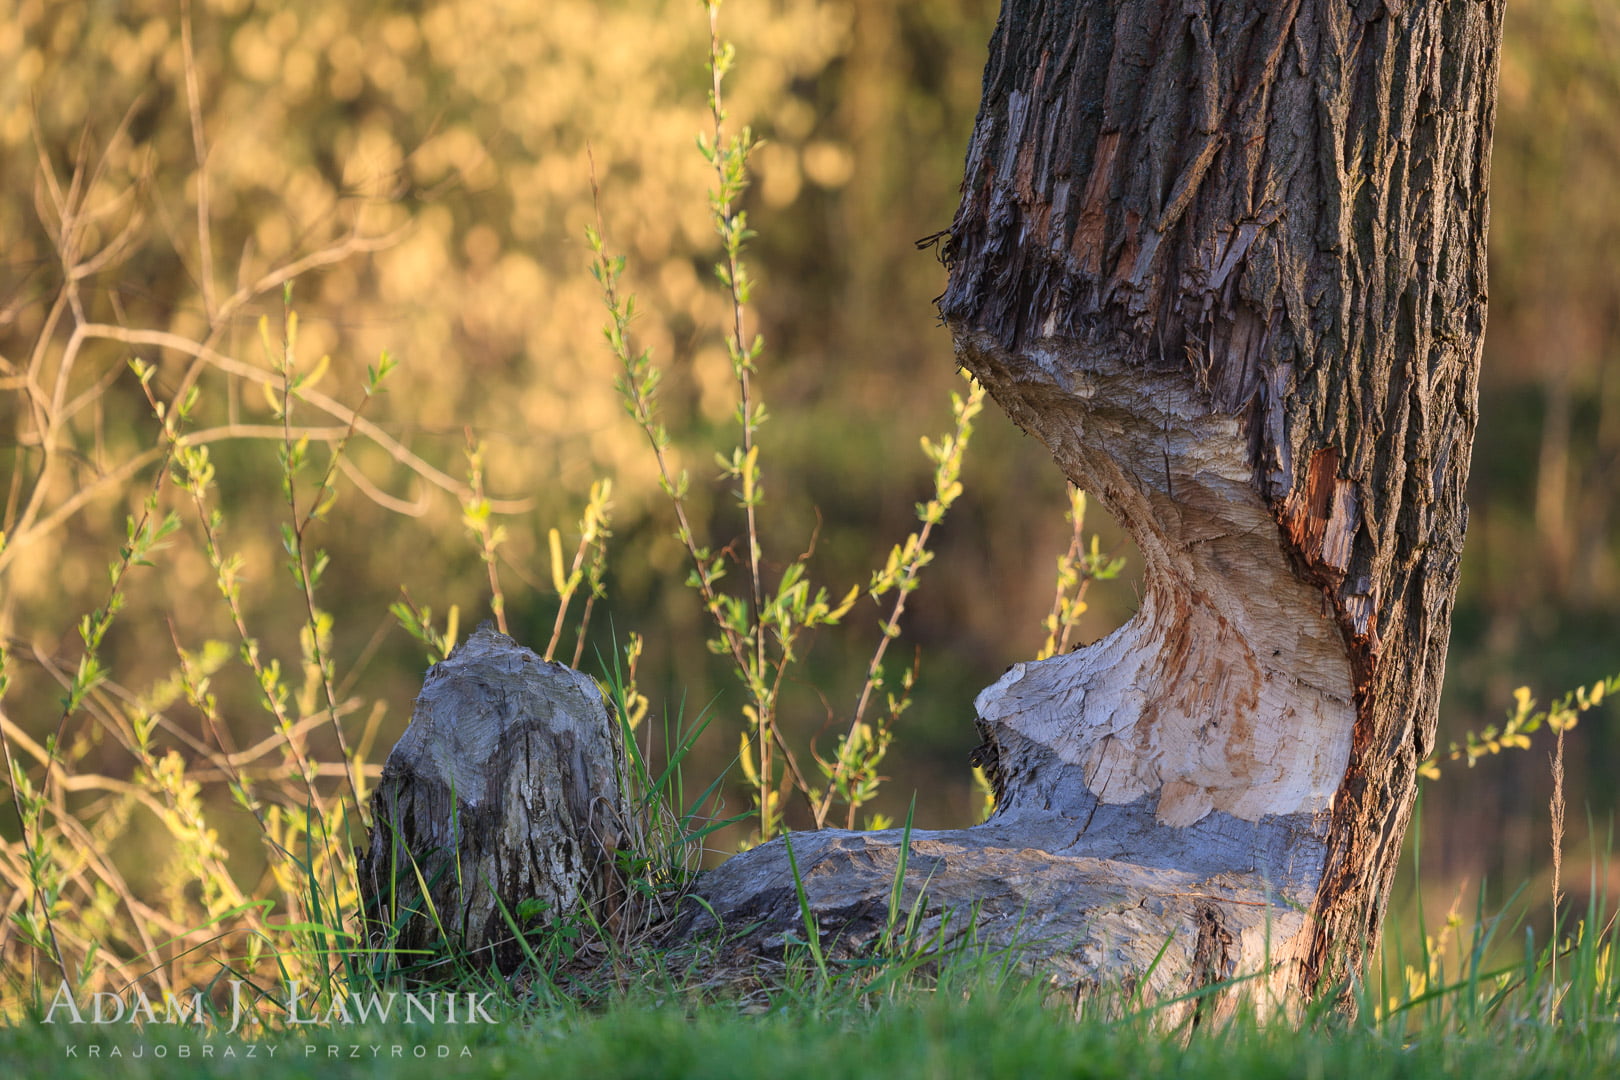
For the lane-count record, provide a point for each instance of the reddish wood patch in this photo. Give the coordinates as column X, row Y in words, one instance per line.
column 1093, row 224
column 1321, row 517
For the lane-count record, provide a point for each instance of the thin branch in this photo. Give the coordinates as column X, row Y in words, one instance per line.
column 205, row 241
column 328, row 405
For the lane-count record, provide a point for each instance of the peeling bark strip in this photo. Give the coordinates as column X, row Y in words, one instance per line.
column 1228, row 262
column 505, row 788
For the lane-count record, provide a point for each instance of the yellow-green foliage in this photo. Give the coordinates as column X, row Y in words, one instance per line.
column 1524, row 720
column 424, row 178
column 459, row 132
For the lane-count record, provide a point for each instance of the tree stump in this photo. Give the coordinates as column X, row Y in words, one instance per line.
column 506, row 789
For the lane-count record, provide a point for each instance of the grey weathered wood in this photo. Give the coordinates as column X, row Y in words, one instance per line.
column 1051, row 895
column 506, row 787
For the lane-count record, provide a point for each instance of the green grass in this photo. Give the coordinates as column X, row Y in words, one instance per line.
column 1479, row 1000
column 1015, row 1037
column 1006, row 1032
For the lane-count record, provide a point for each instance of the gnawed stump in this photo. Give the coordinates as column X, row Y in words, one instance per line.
column 504, row 791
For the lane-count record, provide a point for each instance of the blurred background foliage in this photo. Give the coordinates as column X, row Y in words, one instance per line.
column 461, row 132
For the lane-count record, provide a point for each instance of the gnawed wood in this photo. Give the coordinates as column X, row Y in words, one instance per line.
column 1228, row 264
column 1163, row 795
column 506, row 789
column 1270, row 219
column 1167, row 788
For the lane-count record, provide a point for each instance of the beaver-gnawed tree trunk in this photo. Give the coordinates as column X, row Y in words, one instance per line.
column 1228, row 264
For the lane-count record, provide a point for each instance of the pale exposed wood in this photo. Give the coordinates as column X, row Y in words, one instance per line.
column 1172, row 783
column 1230, row 690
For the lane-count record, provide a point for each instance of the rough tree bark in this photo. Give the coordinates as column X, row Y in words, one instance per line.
column 1228, row 263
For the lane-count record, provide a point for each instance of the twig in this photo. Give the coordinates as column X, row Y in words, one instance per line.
column 205, row 243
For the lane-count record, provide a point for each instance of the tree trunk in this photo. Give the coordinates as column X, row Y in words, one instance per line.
column 1228, row 263
column 1229, row 266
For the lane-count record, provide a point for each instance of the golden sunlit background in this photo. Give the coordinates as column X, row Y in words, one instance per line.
column 429, row 166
